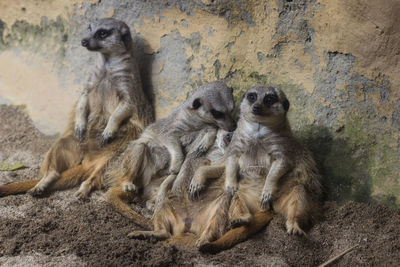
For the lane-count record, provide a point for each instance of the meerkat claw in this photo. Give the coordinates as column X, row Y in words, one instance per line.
column 266, row 200
column 200, row 151
column 80, row 133
column 194, row 191
column 104, row 140
column 231, row 189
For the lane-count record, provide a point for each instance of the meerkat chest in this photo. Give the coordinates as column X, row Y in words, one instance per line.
column 105, row 96
column 254, row 163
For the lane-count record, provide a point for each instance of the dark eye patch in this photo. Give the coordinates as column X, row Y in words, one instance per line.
column 252, row 97
column 102, row 34
column 270, row 99
column 217, row 114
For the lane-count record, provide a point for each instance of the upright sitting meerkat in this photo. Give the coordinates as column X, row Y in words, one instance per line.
column 160, row 150
column 266, row 167
column 112, row 110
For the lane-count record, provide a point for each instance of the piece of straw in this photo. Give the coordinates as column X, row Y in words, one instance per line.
column 337, row 257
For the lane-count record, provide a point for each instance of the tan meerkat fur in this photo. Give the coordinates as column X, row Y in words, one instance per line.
column 112, row 110
column 267, row 167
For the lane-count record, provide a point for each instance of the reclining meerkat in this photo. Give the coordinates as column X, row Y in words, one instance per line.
column 161, row 149
column 266, row 166
column 175, row 213
column 112, row 110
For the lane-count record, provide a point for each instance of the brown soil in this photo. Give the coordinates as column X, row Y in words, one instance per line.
column 62, row 231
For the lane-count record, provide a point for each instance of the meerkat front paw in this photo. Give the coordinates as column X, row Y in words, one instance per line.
column 80, row 132
column 106, row 137
column 195, row 189
column 266, row 198
column 231, row 188
column 266, row 201
column 129, row 187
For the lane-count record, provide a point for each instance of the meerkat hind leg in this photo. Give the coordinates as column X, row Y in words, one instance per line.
column 63, row 155
column 41, row 187
column 216, row 223
column 162, row 191
column 90, row 183
column 294, row 207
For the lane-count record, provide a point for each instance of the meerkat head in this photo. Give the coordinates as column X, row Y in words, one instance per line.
column 213, row 103
column 264, row 104
column 108, row 36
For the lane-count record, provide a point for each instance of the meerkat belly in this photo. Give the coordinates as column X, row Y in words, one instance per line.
column 254, row 165
column 104, row 98
column 253, row 170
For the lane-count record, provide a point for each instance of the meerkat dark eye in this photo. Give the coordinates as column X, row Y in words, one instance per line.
column 252, row 97
column 217, row 114
column 101, row 34
column 270, row 99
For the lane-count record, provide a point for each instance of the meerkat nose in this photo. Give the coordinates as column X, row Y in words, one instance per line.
column 256, row 109
column 85, row 42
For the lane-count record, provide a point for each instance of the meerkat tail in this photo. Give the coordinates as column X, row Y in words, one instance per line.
column 117, row 198
column 239, row 234
column 17, row 188
column 68, row 179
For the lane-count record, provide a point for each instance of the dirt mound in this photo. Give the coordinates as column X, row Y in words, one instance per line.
column 62, row 231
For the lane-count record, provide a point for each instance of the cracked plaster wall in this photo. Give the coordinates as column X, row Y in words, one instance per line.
column 338, row 62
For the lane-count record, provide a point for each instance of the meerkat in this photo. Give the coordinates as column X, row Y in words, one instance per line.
column 176, row 213
column 265, row 166
column 150, row 164
column 111, row 110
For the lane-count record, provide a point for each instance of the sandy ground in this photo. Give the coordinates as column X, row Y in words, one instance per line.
column 63, row 231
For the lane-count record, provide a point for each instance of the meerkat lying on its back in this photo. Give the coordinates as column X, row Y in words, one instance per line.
column 176, row 214
column 112, row 107
column 266, row 166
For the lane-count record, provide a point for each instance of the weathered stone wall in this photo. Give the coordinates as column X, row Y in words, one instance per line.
column 337, row 60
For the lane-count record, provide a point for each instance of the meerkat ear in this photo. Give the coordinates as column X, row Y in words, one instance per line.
column 196, row 103
column 286, row 105
column 126, row 37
